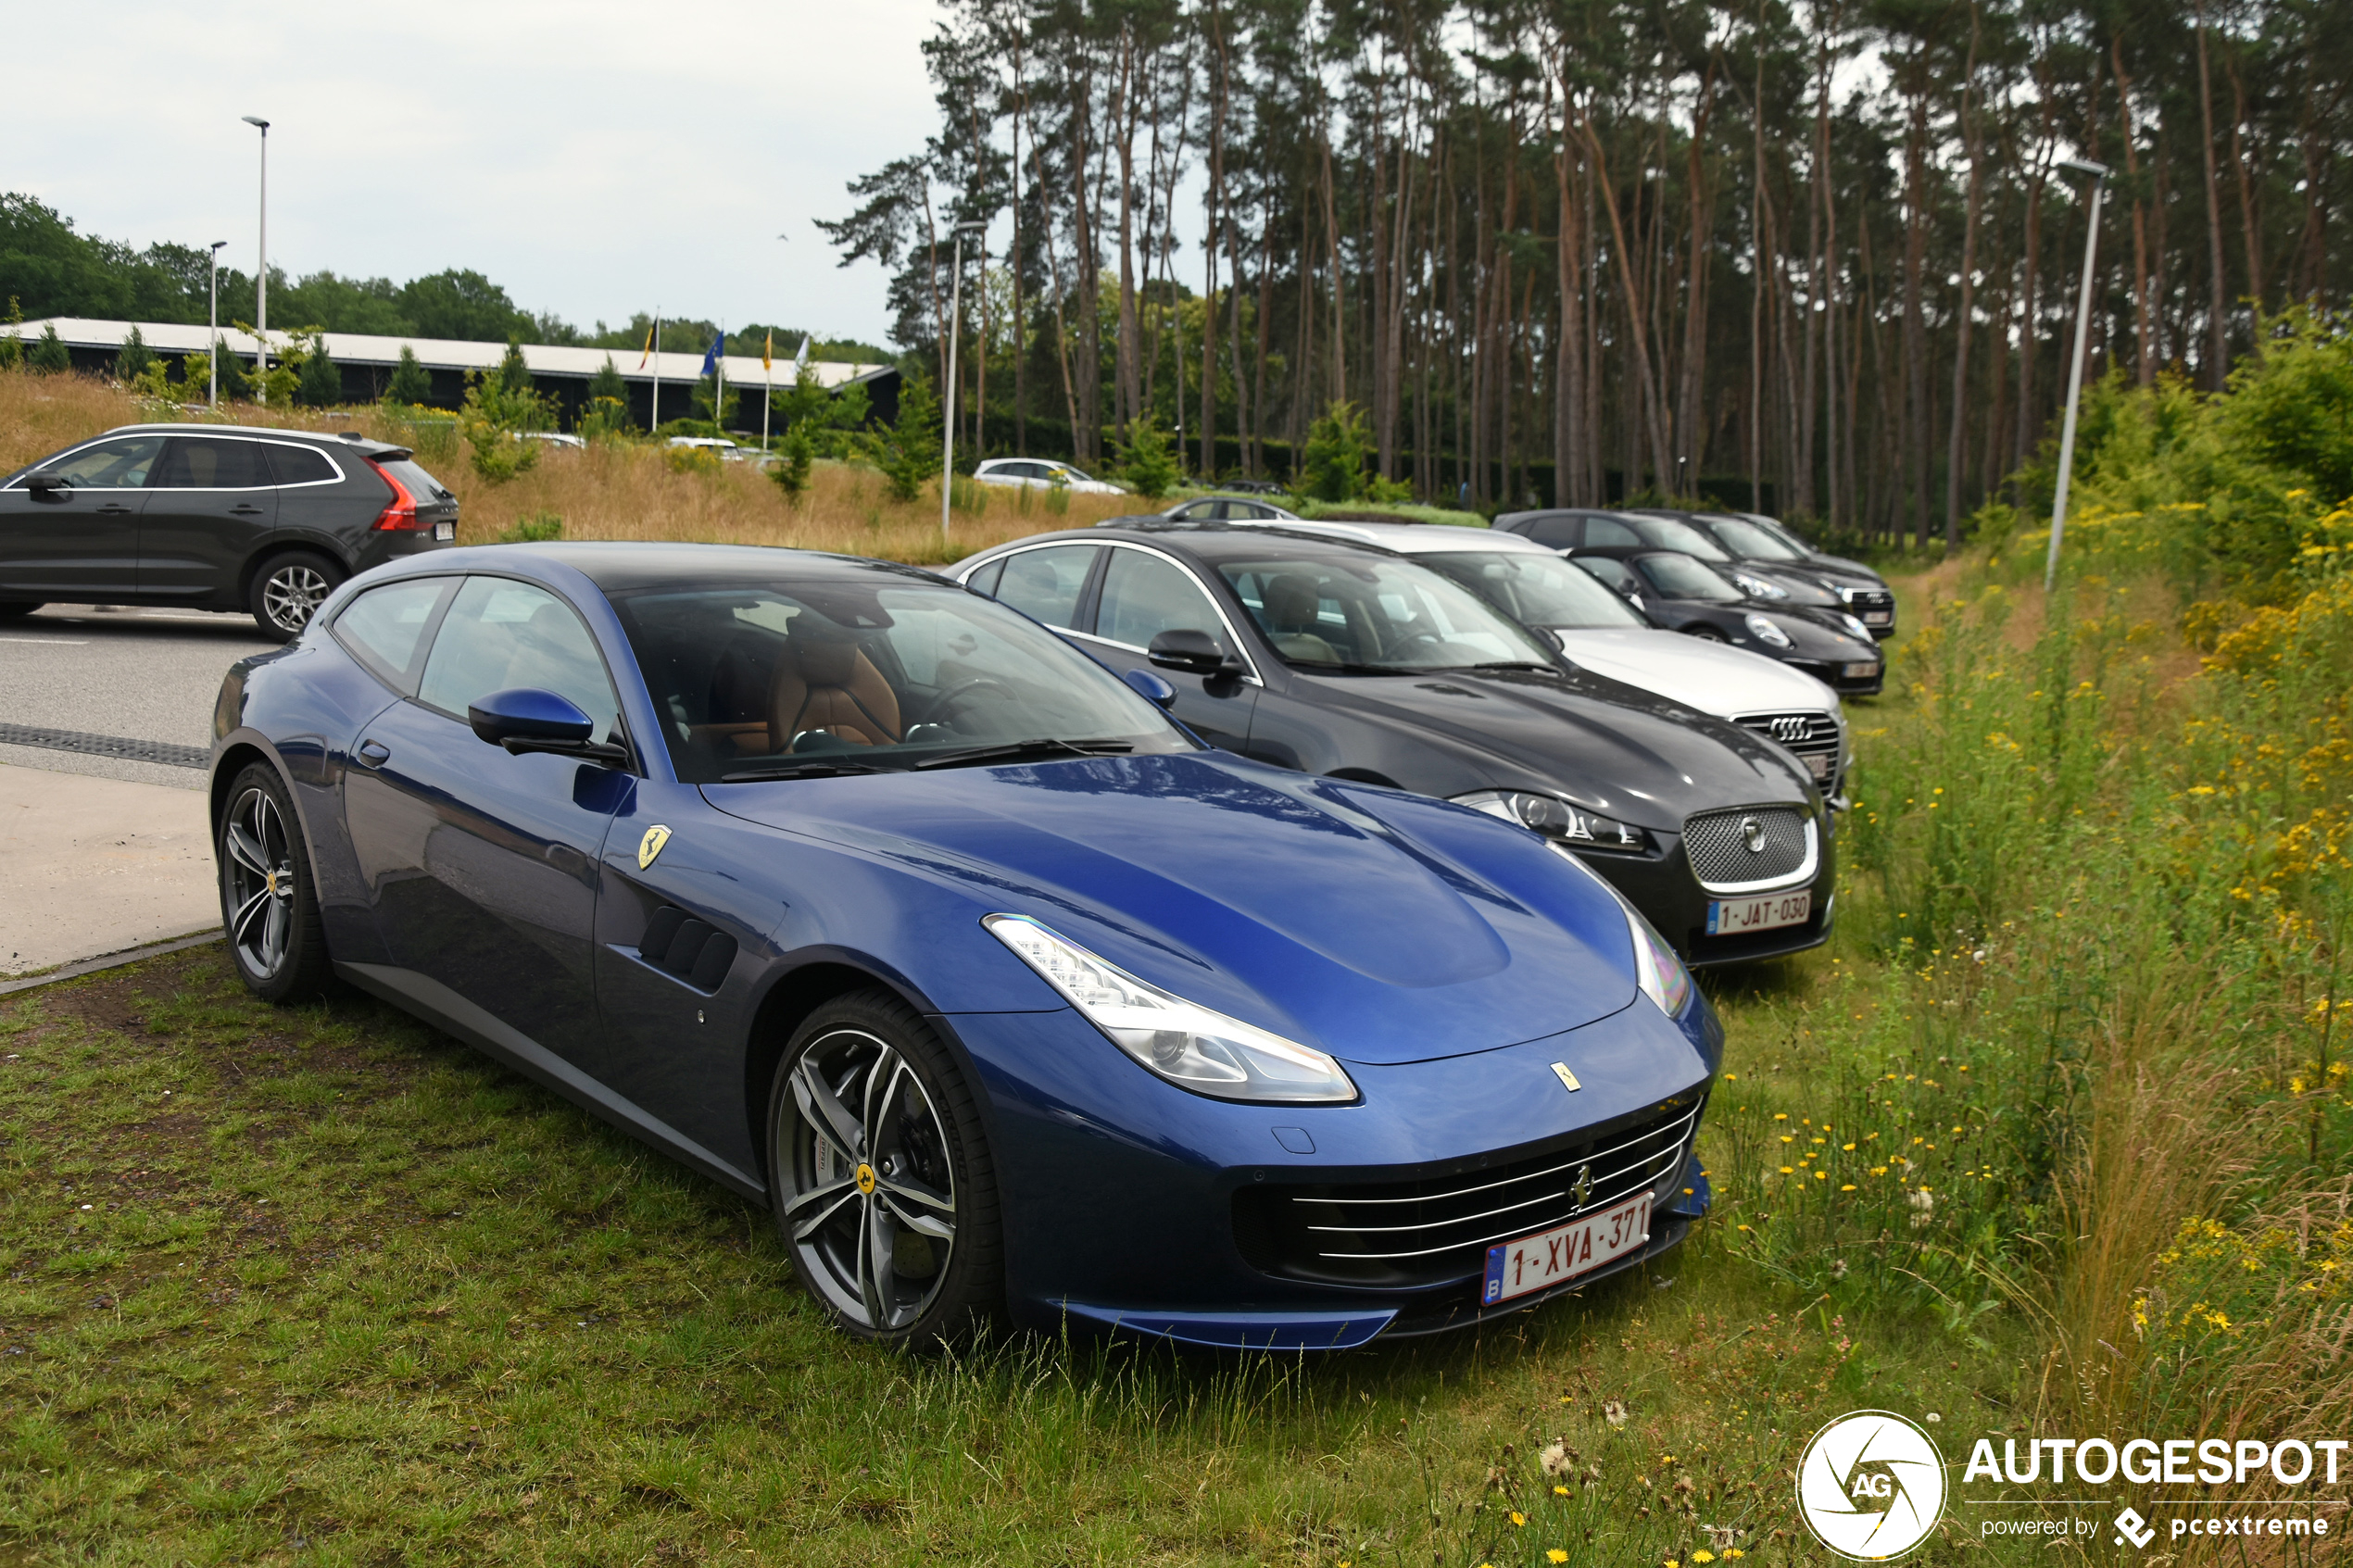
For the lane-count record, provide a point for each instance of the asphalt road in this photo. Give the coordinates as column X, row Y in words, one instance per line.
column 117, row 674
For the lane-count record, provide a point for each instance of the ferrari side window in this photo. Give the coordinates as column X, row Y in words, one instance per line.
column 1144, row 596
column 500, row 634
column 382, row 626
column 1044, row 583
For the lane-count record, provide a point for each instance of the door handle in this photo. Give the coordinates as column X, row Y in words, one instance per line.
column 244, row 510
column 374, row 753
column 114, row 509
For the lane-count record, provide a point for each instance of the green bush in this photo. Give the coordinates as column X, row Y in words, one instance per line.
column 48, row 355
column 136, row 357
column 1337, row 445
column 532, row 527
column 605, row 418
column 796, row 456
column 693, row 459
column 494, row 414
column 907, row 452
column 411, row 382
column 12, row 342
column 320, row 382
column 1146, row 462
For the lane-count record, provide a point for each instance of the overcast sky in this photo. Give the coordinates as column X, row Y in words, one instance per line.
column 593, row 158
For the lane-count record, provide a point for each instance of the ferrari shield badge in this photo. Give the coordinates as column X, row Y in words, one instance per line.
column 650, row 846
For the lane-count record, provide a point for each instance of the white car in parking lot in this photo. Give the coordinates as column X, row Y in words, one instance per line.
column 1044, row 473
column 1602, row 633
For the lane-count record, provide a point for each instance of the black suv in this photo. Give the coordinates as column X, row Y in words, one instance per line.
column 213, row 517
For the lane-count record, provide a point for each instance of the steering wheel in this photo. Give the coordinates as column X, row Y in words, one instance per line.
column 957, row 693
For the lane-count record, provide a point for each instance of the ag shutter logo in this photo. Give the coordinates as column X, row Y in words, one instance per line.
column 1871, row 1485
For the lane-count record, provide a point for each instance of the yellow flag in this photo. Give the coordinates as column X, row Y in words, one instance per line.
column 649, row 349
column 768, row 353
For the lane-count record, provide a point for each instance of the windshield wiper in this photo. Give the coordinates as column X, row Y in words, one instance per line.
column 1513, row 664
column 1345, row 668
column 1020, row 748
column 814, row 768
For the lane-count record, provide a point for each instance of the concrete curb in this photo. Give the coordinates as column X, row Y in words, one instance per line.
column 110, row 960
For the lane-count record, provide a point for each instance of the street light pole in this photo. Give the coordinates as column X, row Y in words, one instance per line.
column 212, row 355
column 947, row 424
column 2098, row 173
column 262, row 272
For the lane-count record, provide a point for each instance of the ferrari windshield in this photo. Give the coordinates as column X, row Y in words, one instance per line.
column 1536, row 589
column 1370, row 615
column 1679, row 577
column 1748, row 541
column 798, row 679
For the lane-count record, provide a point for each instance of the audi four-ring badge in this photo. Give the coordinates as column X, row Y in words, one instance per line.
column 871, row 899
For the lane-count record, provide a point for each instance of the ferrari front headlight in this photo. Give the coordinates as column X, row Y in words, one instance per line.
column 1183, row 1042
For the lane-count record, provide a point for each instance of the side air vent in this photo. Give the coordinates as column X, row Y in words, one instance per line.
column 692, row 951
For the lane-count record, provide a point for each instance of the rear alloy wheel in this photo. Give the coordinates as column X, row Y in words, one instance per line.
column 287, row 593
column 881, row 1178
column 268, row 901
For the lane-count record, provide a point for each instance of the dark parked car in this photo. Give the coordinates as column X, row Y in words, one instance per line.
column 1690, row 595
column 213, row 517
column 1353, row 662
column 877, row 904
column 1571, row 530
column 1768, row 552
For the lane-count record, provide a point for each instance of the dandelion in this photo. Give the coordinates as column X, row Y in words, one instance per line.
column 1848, row 1188
column 1822, row 1176
column 1518, row 1519
column 1703, row 1555
column 1555, row 1554
column 1781, row 1116
column 1560, row 1491
column 1786, row 1171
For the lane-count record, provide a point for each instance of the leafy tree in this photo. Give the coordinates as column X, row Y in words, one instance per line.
column 795, row 456
column 1146, row 462
column 462, row 304
column 907, row 452
column 134, row 359
column 49, row 355
column 320, row 382
column 410, row 383
column 1338, row 443
column 491, row 420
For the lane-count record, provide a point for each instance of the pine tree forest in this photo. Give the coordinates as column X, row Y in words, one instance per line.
column 1822, row 260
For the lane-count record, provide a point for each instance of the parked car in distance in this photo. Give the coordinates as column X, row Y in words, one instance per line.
column 1347, row 661
column 214, row 517
column 1858, row 589
column 876, row 903
column 1697, row 599
column 1255, row 487
column 1208, row 508
column 725, row 451
column 1601, row 631
column 1569, row 530
column 557, row 439
column 1045, row 473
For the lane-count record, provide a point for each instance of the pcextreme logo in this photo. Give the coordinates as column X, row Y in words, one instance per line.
column 1871, row 1485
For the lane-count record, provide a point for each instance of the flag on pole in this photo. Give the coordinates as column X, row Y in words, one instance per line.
column 649, row 349
column 801, row 361
column 710, row 357
column 768, row 354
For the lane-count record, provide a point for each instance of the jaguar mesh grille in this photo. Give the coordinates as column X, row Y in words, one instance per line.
column 1718, row 847
column 1430, row 1231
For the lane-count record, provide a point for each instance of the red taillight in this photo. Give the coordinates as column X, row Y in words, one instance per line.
column 401, row 516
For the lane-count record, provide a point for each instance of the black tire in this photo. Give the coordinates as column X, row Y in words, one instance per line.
column 268, row 899
column 853, row 1191
column 1706, row 634
column 11, row 610
column 287, row 591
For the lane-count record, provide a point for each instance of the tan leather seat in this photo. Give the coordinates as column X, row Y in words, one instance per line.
column 1292, row 625
column 834, row 687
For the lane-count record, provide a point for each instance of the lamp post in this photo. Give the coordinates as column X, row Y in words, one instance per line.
column 261, row 271
column 2097, row 172
column 212, row 396
column 947, row 424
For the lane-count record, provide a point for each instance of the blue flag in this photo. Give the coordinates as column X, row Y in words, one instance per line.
column 710, row 359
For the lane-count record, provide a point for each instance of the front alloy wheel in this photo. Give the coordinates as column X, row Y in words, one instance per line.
column 882, row 1188
column 267, row 905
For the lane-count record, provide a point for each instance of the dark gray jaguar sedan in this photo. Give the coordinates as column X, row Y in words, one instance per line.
column 213, row 517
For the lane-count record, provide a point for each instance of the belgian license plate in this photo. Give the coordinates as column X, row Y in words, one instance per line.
column 1819, row 764
column 1861, row 672
column 1734, row 917
column 1878, row 617
column 445, row 533
column 1536, row 1262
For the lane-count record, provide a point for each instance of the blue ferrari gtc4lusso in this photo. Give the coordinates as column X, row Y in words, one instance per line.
column 868, row 897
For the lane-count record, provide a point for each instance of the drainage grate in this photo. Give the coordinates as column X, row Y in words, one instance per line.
column 161, row 751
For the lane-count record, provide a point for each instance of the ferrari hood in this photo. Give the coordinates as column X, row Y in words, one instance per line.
column 1708, row 676
column 1378, row 926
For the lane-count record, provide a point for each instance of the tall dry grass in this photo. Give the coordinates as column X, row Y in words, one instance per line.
column 614, row 492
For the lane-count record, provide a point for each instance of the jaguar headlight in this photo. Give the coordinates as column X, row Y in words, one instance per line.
column 1572, row 827
column 1765, row 632
column 1185, row 1043
column 1757, row 588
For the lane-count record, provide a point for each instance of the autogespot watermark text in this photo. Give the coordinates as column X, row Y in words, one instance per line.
column 2079, row 1464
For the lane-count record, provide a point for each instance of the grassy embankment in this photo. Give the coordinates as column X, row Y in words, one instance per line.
column 2049, row 1141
